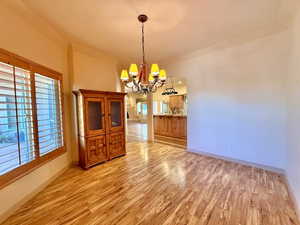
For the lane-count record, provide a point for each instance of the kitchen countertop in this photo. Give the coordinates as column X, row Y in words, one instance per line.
column 171, row 115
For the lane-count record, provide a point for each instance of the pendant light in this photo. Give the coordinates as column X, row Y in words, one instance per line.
column 140, row 79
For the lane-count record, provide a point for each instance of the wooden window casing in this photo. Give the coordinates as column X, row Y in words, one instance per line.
column 33, row 77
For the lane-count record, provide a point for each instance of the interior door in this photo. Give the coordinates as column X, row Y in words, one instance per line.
column 94, row 111
column 115, row 114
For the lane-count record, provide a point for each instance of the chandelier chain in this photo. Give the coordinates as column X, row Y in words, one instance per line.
column 143, row 43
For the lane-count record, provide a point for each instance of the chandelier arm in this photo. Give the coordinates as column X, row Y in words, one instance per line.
column 153, row 89
column 160, row 84
column 133, row 81
column 126, row 84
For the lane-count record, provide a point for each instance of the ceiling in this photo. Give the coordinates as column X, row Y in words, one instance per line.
column 175, row 27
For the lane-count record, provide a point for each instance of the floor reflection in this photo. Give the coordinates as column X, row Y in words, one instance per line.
column 136, row 131
column 158, row 184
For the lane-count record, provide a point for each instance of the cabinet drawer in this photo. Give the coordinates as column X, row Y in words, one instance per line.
column 96, row 150
column 116, row 145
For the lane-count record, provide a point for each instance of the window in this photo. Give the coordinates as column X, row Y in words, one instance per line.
column 49, row 115
column 144, row 109
column 155, row 107
column 31, row 130
column 165, row 108
column 139, row 108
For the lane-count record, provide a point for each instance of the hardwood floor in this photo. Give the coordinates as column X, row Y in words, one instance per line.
column 136, row 131
column 170, row 141
column 157, row 184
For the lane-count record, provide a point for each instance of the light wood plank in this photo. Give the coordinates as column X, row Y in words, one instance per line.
column 162, row 185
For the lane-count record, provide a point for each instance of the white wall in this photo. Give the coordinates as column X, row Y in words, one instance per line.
column 94, row 70
column 236, row 99
column 82, row 67
column 293, row 87
column 20, row 37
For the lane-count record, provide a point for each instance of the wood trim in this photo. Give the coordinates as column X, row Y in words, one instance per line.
column 246, row 163
column 11, row 58
column 25, row 169
column 63, row 115
column 5, row 57
column 34, row 115
column 47, row 72
column 85, row 91
column 18, row 61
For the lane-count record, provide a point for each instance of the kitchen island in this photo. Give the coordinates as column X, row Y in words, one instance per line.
column 170, row 127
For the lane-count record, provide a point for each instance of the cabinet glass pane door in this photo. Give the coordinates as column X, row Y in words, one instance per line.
column 116, row 111
column 95, row 115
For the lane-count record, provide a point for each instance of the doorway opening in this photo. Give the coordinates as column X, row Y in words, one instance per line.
column 137, row 113
column 159, row 117
column 170, row 113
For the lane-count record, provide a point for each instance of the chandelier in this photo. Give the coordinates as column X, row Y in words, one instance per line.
column 170, row 90
column 143, row 80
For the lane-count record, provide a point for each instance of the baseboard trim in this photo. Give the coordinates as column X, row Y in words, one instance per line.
column 19, row 204
column 292, row 195
column 246, row 163
column 173, row 141
column 170, row 144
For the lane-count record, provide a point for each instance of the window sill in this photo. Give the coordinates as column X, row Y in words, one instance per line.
column 25, row 169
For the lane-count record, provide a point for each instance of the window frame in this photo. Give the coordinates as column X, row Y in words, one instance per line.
column 22, row 170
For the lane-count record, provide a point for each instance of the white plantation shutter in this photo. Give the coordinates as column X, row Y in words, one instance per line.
column 16, row 123
column 49, row 113
column 31, row 116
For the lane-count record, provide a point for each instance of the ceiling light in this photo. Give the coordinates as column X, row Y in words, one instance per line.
column 170, row 91
column 140, row 80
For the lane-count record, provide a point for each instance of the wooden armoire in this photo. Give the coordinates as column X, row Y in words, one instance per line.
column 101, row 126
